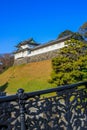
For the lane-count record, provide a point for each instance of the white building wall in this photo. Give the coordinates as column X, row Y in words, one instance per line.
column 47, row 49
column 38, row 51
column 21, row 54
column 18, row 55
column 25, row 46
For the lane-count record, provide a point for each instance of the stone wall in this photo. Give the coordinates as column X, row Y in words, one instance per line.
column 36, row 58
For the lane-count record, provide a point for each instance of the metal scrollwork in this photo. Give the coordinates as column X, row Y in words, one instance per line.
column 65, row 110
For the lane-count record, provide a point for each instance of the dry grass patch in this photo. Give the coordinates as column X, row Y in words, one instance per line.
column 31, row 77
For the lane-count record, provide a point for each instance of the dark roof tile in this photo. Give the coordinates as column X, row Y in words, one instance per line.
column 52, row 42
column 29, row 41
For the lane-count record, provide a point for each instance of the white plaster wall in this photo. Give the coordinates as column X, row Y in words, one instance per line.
column 39, row 51
column 25, row 53
column 21, row 54
column 25, row 46
column 18, row 55
column 47, row 48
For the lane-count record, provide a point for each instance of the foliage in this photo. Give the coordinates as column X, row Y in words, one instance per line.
column 83, row 30
column 80, row 35
column 77, row 36
column 71, row 64
column 84, row 25
column 6, row 60
column 65, row 33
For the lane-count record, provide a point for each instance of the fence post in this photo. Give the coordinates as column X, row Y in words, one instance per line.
column 21, row 98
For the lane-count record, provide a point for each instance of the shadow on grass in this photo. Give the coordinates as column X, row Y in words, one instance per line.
column 3, row 87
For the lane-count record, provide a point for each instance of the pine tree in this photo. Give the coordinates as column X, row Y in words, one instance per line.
column 71, row 64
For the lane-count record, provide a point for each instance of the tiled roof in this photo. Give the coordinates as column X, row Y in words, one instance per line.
column 43, row 45
column 29, row 41
column 52, row 42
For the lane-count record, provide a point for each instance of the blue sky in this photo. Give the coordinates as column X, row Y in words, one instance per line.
column 41, row 19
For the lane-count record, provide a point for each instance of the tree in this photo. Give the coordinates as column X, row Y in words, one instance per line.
column 6, row 60
column 71, row 64
column 74, row 35
column 83, row 30
column 77, row 36
column 65, row 33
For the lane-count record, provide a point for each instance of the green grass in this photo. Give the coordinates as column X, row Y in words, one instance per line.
column 30, row 77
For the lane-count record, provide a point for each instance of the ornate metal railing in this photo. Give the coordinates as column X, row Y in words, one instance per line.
column 64, row 109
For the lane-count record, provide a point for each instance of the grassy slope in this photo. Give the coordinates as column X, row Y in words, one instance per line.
column 31, row 77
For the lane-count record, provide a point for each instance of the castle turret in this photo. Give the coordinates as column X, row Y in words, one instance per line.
column 24, row 48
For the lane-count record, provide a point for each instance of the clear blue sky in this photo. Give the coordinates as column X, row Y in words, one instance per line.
column 41, row 19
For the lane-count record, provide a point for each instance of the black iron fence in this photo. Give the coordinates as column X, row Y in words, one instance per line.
column 63, row 108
